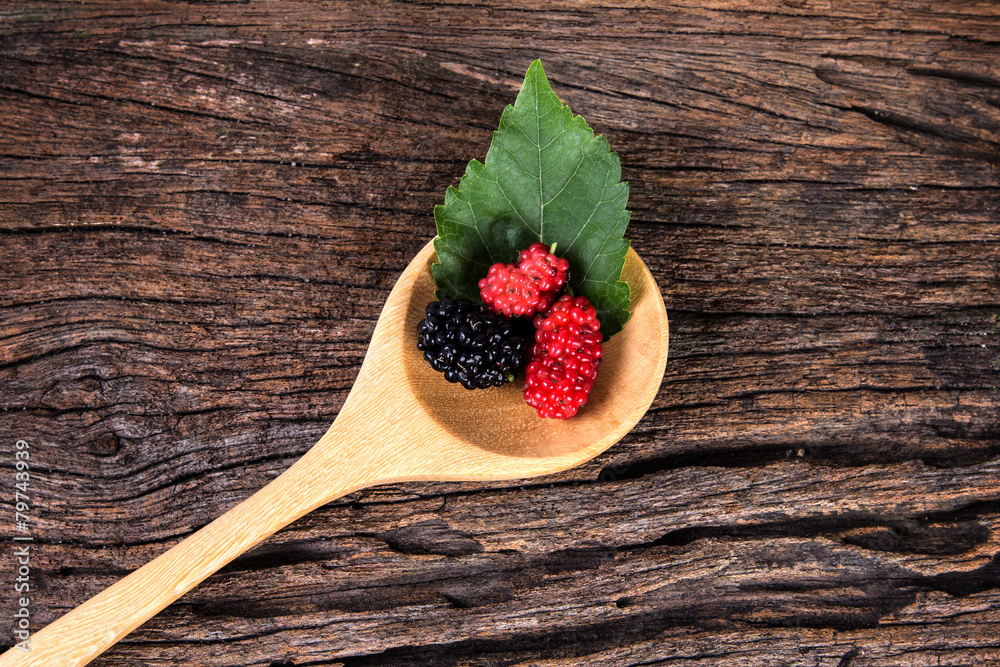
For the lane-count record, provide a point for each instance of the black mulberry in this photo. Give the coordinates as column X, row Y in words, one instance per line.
column 471, row 345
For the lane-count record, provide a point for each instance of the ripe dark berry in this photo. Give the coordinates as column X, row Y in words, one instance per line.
column 470, row 345
column 527, row 288
column 564, row 359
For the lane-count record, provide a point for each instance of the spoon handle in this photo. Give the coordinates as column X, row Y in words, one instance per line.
column 88, row 630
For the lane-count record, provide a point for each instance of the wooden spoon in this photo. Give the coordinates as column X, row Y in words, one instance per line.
column 401, row 422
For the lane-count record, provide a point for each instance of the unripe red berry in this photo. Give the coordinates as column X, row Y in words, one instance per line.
column 529, row 287
column 506, row 289
column 564, row 359
column 546, row 271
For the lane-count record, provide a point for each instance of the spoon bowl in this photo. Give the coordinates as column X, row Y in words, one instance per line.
column 401, row 422
column 499, row 421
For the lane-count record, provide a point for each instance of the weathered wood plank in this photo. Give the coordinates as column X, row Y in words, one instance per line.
column 203, row 207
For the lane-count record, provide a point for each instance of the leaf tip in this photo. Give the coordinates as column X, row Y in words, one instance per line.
column 536, row 79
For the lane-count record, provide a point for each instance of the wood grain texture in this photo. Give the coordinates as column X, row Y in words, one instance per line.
column 203, row 208
column 400, row 423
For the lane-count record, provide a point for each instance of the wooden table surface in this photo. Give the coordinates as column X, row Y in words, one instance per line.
column 204, row 207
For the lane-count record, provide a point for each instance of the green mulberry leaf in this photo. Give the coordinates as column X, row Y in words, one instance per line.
column 547, row 177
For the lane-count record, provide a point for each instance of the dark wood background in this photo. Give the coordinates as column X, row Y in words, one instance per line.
column 203, row 207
